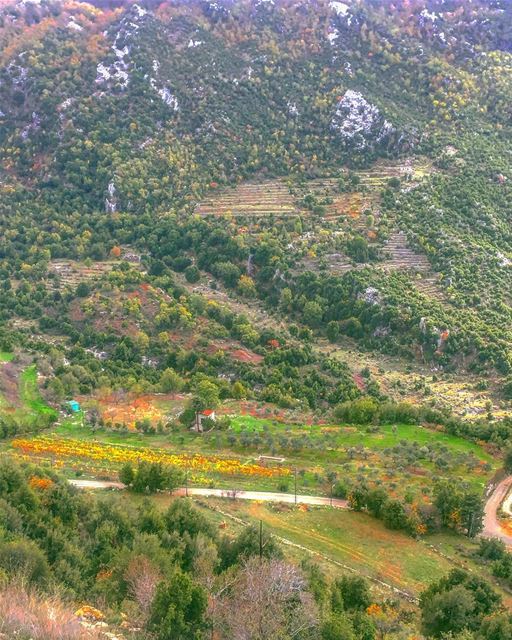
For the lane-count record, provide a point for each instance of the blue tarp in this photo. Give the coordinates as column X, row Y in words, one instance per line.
column 74, row 406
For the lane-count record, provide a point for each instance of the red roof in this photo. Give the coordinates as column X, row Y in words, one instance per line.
column 207, row 412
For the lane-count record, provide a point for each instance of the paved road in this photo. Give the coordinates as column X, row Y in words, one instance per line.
column 492, row 527
column 264, row 496
column 96, row 484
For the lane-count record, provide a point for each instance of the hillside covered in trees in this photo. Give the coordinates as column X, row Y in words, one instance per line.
column 259, row 244
column 117, row 121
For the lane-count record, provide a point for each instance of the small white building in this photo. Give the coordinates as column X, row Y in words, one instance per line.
column 207, row 414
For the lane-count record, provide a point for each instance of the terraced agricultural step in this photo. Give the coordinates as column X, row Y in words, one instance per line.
column 401, row 256
column 70, row 274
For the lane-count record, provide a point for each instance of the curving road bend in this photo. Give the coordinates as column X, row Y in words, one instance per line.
column 492, row 527
column 264, row 496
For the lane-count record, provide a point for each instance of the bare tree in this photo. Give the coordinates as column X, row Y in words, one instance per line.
column 142, row 578
column 267, row 600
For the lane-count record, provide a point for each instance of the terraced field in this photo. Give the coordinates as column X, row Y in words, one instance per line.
column 430, row 286
column 399, row 256
column 278, row 198
column 69, row 274
column 268, row 198
column 343, row 212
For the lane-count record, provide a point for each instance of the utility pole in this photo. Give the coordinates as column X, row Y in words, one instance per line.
column 470, row 531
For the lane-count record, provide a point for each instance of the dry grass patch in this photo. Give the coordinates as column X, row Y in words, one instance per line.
column 27, row 615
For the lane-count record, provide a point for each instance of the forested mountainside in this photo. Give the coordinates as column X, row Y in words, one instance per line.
column 118, row 120
column 256, row 246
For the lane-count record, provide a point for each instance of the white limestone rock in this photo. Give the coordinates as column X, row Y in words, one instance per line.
column 359, row 124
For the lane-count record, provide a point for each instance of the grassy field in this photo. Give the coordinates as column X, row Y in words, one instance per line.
column 352, row 539
column 387, row 435
column 6, row 356
column 347, row 541
column 339, row 541
column 31, row 396
column 20, row 397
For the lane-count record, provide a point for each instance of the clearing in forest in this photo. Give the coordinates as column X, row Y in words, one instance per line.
column 70, row 273
column 20, row 397
column 420, row 383
column 400, row 257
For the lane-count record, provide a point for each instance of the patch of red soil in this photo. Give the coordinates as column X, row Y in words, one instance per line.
column 506, row 526
column 127, row 408
column 243, row 355
column 120, row 326
column 75, row 312
column 359, row 381
column 235, row 351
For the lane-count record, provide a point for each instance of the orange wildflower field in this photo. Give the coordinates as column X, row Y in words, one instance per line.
column 64, row 448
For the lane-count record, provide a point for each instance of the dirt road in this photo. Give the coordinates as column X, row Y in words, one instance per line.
column 264, row 496
column 492, row 527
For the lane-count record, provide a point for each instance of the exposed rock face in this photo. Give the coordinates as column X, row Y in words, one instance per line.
column 340, row 8
column 360, row 124
column 340, row 12
column 111, row 200
column 163, row 91
column 371, row 295
column 110, row 73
